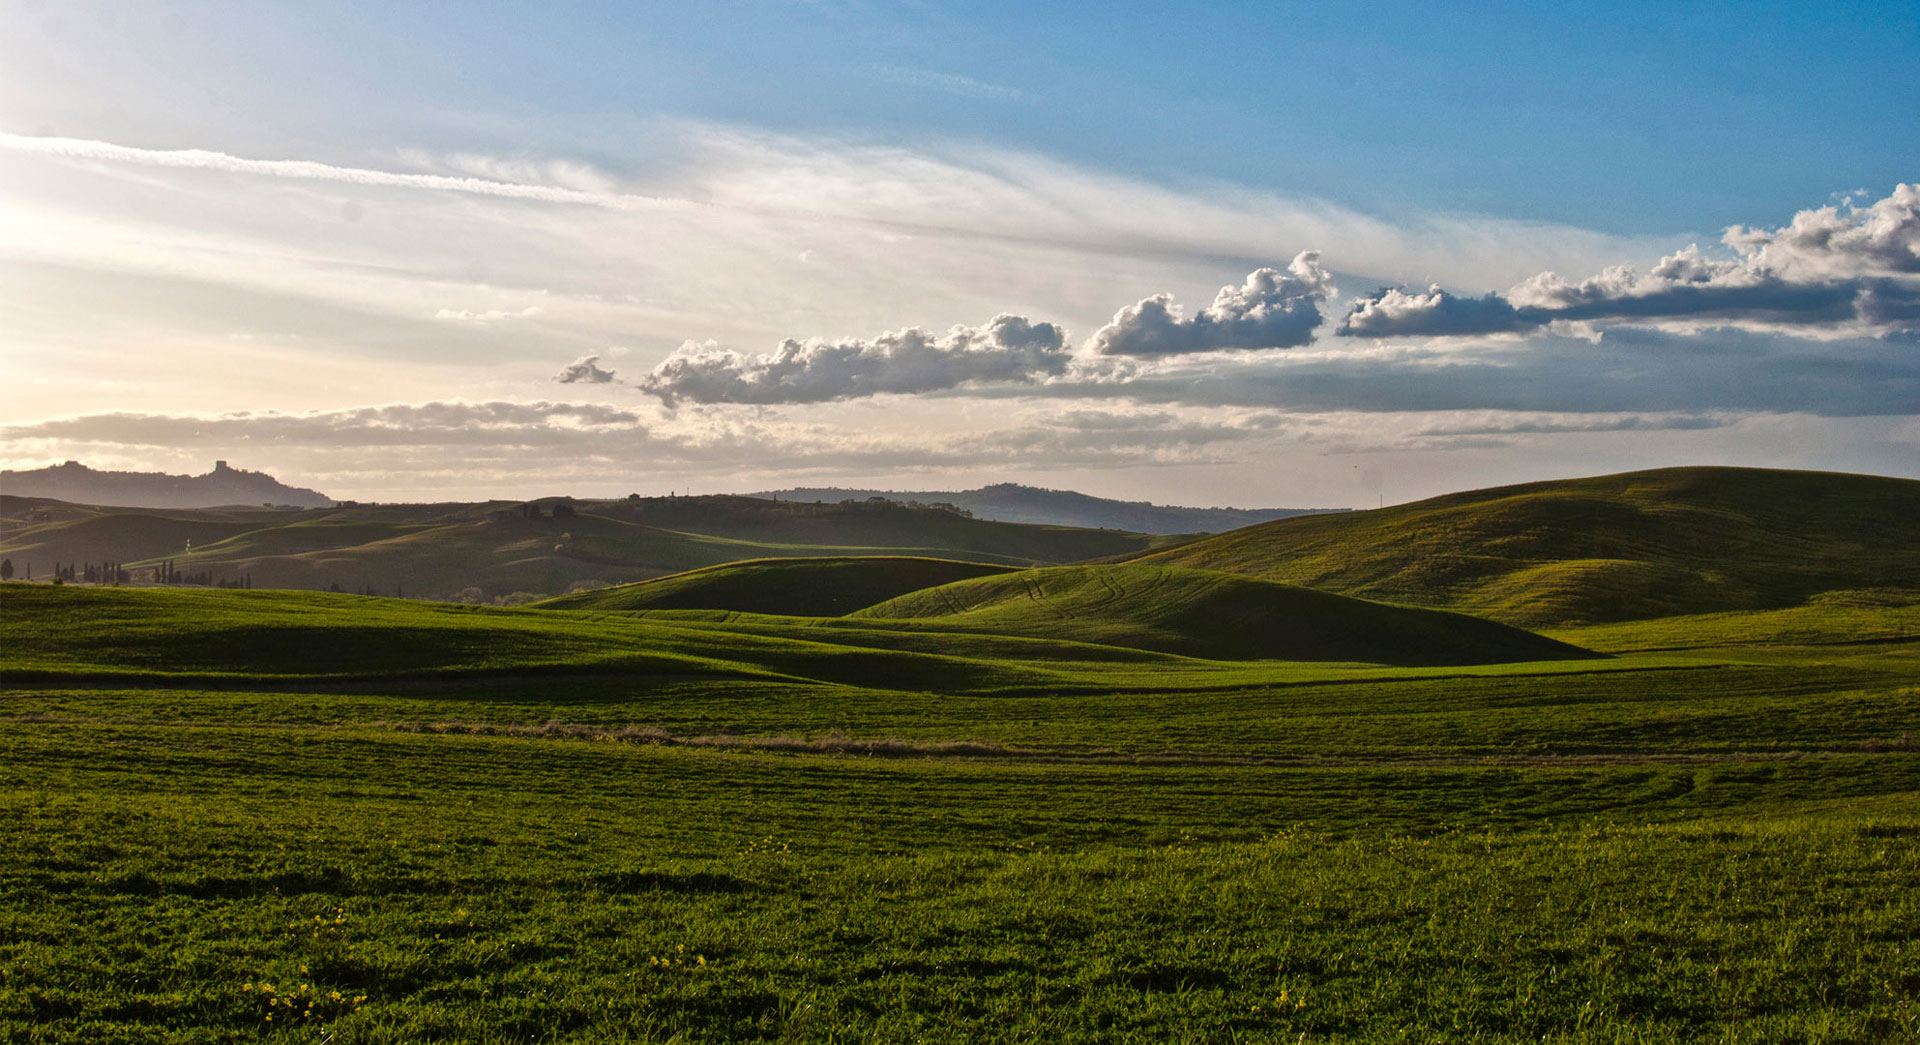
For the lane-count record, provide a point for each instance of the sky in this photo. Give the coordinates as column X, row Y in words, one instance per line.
column 1208, row 253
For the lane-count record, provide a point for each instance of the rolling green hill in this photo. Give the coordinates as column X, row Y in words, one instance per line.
column 323, row 816
column 143, row 633
column 820, row 587
column 493, row 550
column 1612, row 548
column 1202, row 613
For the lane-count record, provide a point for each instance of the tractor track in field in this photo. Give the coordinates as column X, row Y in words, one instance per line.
column 395, row 685
column 836, row 744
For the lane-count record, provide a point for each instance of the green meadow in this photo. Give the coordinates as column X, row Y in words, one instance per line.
column 281, row 816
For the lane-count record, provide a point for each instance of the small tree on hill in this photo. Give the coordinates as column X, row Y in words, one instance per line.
column 6, row 569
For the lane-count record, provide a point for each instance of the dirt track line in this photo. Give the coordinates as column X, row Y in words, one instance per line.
column 896, row 747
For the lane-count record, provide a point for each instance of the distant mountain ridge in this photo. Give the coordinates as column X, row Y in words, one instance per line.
column 75, row 483
column 1012, row 502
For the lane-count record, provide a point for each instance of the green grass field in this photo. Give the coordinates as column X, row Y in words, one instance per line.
column 242, row 816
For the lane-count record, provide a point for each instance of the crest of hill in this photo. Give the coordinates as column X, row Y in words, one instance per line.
column 1012, row 502
column 1633, row 546
column 1220, row 616
column 827, row 586
column 76, row 483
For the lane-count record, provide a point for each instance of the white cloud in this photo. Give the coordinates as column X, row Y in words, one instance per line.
column 1840, row 269
column 1271, row 309
column 1008, row 348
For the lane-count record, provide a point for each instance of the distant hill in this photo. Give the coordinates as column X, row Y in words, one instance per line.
column 76, row 483
column 819, row 587
column 504, row 550
column 1011, row 502
column 1611, row 548
column 1201, row 613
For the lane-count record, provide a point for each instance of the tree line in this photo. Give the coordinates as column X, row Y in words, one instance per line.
column 110, row 572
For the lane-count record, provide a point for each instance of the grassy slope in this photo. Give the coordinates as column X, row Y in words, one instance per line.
column 877, row 525
column 45, row 532
column 1611, row 548
column 1209, row 614
column 1834, row 618
column 155, row 633
column 819, row 587
column 438, row 550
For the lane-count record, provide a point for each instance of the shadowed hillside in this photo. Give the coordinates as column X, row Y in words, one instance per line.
column 1012, row 502
column 821, row 587
column 40, row 531
column 1610, row 548
column 1201, row 613
column 493, row 550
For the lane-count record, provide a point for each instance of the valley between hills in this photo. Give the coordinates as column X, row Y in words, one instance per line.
column 1619, row 758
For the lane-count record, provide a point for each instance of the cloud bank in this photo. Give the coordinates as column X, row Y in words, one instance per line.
column 1272, row 309
column 817, row 370
column 1628, row 369
column 1842, row 268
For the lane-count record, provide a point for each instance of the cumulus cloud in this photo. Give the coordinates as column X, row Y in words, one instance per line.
column 585, row 370
column 1840, row 268
column 1272, row 309
column 1007, row 349
column 1398, row 313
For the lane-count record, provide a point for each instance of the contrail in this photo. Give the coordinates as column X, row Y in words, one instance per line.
column 204, row 159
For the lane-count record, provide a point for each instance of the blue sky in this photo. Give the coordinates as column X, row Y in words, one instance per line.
column 1632, row 117
column 874, row 167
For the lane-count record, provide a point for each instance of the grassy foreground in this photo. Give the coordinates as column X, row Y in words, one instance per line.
column 737, row 828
